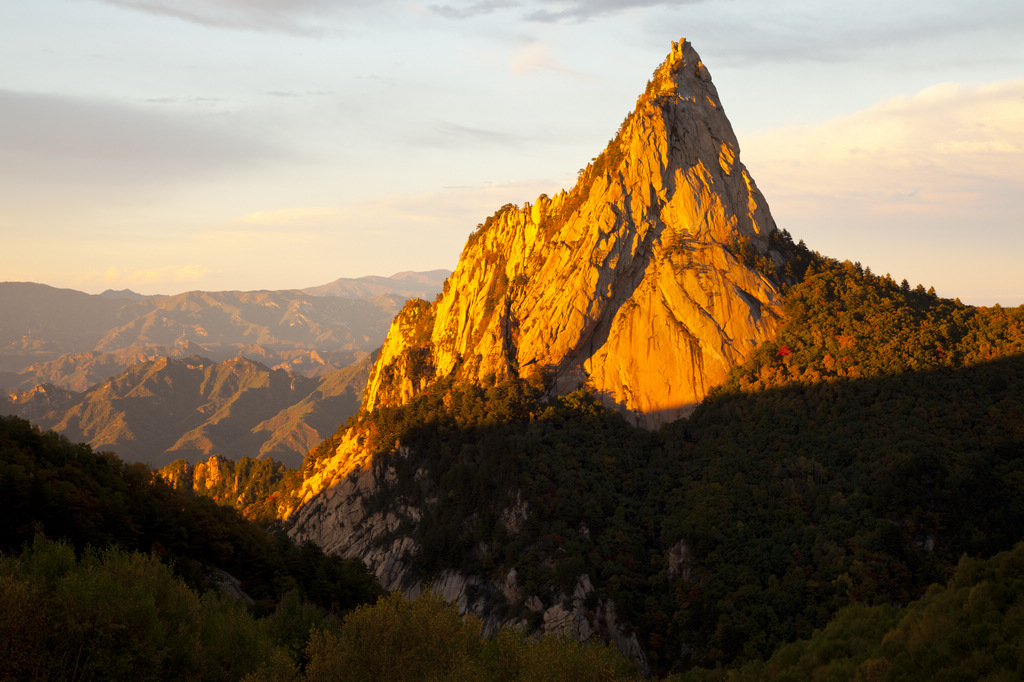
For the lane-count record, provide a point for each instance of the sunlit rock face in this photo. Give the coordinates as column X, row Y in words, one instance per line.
column 624, row 282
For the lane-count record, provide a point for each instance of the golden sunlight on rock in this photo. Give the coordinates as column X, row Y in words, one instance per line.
column 625, row 283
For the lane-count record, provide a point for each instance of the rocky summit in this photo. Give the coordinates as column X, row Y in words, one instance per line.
column 627, row 282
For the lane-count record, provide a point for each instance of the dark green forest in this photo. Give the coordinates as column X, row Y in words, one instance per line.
column 969, row 628
column 831, row 512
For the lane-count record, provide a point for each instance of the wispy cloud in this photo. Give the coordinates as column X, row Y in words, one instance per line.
column 120, row 278
column 286, row 217
column 473, row 9
column 744, row 32
column 58, row 137
column 441, row 134
column 946, row 148
column 927, row 187
column 585, row 10
column 191, row 101
column 306, row 93
column 433, row 224
column 534, row 56
column 317, row 17
column 550, row 11
column 289, row 16
column 460, row 207
column 452, row 205
column 301, row 16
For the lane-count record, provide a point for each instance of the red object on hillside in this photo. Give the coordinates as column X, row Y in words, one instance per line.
column 784, row 351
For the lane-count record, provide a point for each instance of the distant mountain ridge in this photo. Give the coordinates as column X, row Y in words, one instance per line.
column 191, row 408
column 408, row 284
column 72, row 339
column 109, row 369
column 119, row 294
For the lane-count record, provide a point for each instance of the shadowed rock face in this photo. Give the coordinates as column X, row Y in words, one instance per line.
column 624, row 282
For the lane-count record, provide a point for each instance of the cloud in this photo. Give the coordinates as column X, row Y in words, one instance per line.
column 412, row 225
column 290, row 216
column 459, row 207
column 307, row 93
column 120, row 278
column 193, row 101
column 551, row 11
column 441, row 134
column 585, row 10
column 947, row 148
column 741, row 33
column 288, row 16
column 49, row 138
column 927, row 186
column 535, row 56
column 473, row 9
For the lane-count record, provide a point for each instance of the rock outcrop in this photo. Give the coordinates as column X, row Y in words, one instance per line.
column 348, row 519
column 628, row 282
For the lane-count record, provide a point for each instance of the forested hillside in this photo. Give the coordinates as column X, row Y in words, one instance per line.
column 108, row 573
column 853, row 459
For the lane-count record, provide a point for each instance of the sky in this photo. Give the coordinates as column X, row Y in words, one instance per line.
column 173, row 145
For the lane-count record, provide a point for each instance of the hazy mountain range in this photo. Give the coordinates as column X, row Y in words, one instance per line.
column 263, row 373
column 406, row 284
column 191, row 408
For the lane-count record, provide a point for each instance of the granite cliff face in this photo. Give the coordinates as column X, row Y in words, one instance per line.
column 628, row 281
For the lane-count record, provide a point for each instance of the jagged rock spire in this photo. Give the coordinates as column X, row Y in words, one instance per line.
column 624, row 282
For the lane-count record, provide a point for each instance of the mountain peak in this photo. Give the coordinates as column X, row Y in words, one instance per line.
column 682, row 62
column 627, row 283
column 123, row 294
column 407, row 284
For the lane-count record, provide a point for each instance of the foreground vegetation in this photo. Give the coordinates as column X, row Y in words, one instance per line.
column 114, row 614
